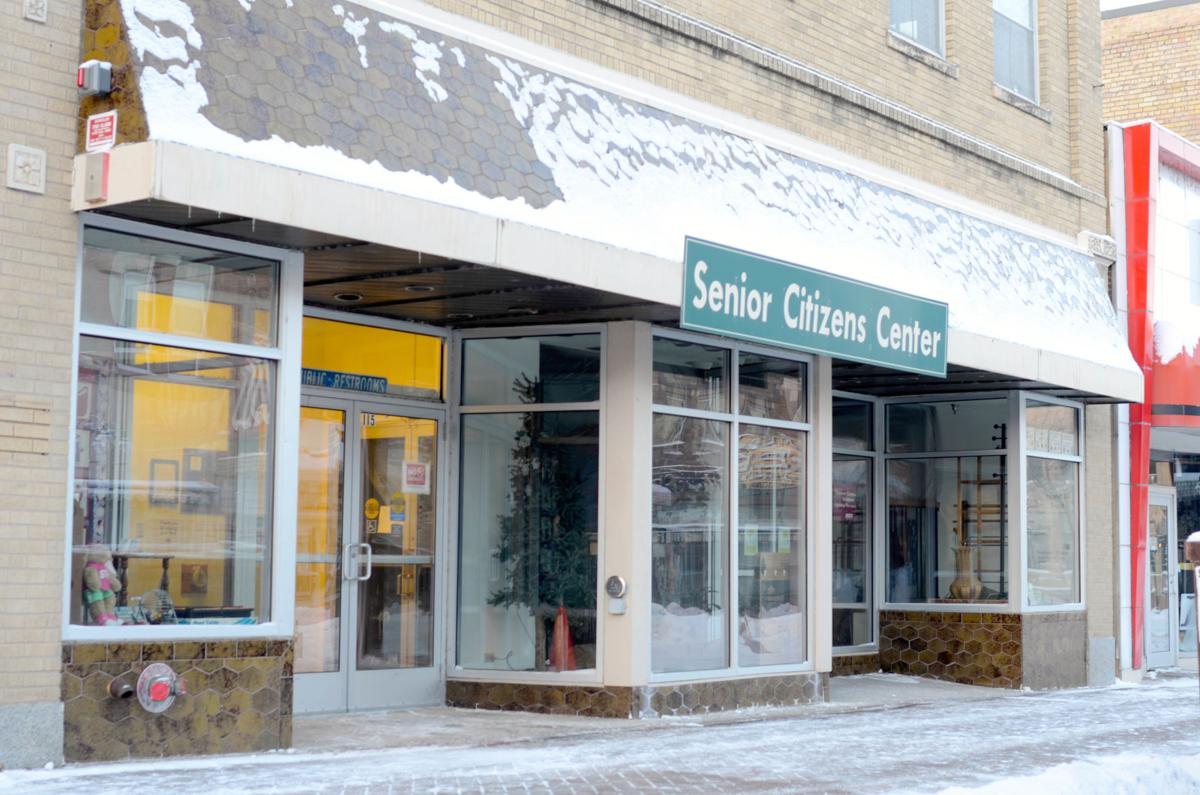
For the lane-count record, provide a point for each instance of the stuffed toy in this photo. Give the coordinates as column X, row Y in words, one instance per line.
column 100, row 586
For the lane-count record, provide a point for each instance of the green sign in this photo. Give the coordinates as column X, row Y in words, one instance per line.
column 744, row 295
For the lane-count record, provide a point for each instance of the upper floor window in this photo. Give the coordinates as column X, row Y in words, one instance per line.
column 919, row 21
column 1015, row 26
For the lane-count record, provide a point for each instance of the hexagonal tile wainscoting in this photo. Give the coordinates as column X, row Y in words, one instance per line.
column 1042, row 650
column 239, row 698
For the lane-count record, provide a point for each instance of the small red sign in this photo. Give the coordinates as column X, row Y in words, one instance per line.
column 101, row 131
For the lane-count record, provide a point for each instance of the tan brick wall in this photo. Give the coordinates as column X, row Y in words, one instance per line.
column 1152, row 68
column 37, row 274
column 849, row 41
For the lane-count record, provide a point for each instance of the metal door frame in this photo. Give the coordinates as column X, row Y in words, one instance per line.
column 348, row 688
column 1164, row 496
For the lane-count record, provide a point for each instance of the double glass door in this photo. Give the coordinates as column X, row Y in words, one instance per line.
column 367, row 530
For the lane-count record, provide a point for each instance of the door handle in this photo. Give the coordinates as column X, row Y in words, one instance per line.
column 347, row 556
column 366, row 574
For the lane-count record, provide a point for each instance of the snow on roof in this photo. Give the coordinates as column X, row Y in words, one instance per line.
column 345, row 92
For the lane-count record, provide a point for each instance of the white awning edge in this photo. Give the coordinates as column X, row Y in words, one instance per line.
column 194, row 177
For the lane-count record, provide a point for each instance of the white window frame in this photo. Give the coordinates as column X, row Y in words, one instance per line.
column 731, row 416
column 876, row 548
column 454, row 382
column 1081, row 529
column 940, row 52
column 1034, row 51
column 281, row 580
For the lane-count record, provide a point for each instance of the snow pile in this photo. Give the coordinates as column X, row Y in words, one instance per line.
column 1132, row 774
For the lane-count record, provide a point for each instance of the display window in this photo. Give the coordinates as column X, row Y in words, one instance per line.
column 853, row 505
column 1053, row 497
column 981, row 515
column 529, row 473
column 730, row 508
column 176, row 428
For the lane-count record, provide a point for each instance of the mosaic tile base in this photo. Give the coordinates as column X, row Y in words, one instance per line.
column 855, row 664
column 969, row 648
column 1040, row 650
column 239, row 698
column 693, row 698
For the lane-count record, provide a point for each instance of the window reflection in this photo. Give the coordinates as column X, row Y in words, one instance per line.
column 172, row 485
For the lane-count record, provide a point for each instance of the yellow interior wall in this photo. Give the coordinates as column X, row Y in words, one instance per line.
column 413, row 361
column 166, row 418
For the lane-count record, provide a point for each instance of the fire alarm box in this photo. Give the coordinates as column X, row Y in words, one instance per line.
column 94, row 78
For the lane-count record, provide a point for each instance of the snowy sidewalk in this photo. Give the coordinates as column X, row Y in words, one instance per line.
column 1120, row 739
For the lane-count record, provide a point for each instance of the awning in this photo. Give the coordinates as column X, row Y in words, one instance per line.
column 407, row 133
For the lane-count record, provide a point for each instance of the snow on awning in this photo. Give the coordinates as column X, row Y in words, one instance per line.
column 346, row 92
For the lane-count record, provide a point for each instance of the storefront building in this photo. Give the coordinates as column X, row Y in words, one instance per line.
column 1158, row 201
column 416, row 362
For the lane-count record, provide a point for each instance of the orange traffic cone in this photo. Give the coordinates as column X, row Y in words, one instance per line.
column 562, row 650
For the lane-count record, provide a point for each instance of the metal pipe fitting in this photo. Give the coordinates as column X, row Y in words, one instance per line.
column 120, row 689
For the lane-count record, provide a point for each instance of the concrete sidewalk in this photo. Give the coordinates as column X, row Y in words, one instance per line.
column 449, row 727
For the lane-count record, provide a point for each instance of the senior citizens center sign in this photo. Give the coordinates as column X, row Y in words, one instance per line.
column 744, row 295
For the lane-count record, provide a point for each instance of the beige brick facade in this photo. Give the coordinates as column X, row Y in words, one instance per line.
column 1152, row 68
column 38, row 241
column 849, row 42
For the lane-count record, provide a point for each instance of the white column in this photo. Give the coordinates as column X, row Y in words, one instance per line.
column 625, row 503
column 821, row 609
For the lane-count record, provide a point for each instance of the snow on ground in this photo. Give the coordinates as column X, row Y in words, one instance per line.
column 1121, row 740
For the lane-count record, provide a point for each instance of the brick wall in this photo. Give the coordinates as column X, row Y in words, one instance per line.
column 1152, row 68
column 849, row 41
column 37, row 272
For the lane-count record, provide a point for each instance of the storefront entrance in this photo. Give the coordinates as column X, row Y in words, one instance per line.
column 368, row 527
column 1162, row 599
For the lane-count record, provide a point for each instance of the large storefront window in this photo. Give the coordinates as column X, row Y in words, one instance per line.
column 947, row 502
column 694, row 503
column 853, row 521
column 1052, row 501
column 528, row 540
column 173, row 442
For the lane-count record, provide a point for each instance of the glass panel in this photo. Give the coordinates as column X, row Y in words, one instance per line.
column 957, row 425
column 771, row 546
column 1052, row 522
column 920, row 21
column 1050, row 428
column 690, row 375
column 1158, row 625
column 172, row 486
column 690, row 545
column 853, row 424
column 528, row 541
column 947, row 536
column 319, row 540
column 154, row 285
column 1016, row 48
column 771, row 388
column 851, row 549
column 394, row 362
column 519, row 370
column 1019, row 11
column 399, row 519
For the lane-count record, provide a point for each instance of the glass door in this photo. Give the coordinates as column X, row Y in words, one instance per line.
column 1162, row 598
column 392, row 561
column 367, row 534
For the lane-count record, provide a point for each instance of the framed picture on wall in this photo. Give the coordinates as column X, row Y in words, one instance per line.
column 199, row 493
column 164, row 481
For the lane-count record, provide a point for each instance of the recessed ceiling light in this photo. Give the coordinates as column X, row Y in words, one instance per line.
column 459, row 316
column 522, row 310
column 348, row 298
column 419, row 288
